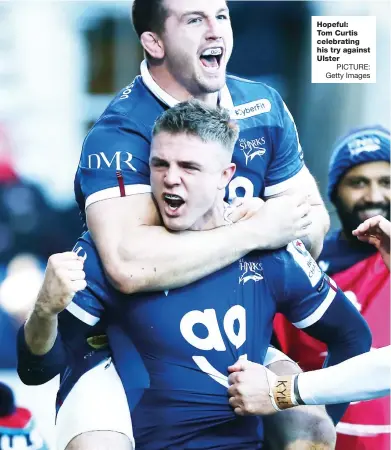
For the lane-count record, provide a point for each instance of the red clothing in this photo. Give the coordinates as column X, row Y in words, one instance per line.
column 365, row 425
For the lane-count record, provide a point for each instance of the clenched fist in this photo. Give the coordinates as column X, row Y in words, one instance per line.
column 64, row 277
column 249, row 388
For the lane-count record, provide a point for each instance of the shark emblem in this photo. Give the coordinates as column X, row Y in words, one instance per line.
column 251, row 272
column 252, row 148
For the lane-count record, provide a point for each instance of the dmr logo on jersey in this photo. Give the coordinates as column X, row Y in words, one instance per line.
column 251, row 109
column 214, row 340
column 252, row 271
column 252, row 148
column 364, row 144
column 119, row 160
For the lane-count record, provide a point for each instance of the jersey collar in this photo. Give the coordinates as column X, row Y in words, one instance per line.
column 157, row 91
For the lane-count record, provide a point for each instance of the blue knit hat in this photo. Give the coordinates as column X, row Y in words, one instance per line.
column 359, row 146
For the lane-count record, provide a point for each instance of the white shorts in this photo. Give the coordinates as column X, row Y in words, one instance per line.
column 97, row 402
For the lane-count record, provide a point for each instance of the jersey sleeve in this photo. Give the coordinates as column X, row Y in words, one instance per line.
column 302, row 291
column 88, row 305
column 114, row 160
column 287, row 155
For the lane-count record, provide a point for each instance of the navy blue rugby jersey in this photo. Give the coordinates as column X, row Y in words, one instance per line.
column 178, row 344
column 115, row 154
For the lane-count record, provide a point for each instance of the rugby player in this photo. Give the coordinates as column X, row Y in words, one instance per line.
column 185, row 404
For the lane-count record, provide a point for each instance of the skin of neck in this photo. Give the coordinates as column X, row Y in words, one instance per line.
column 166, row 81
column 214, row 218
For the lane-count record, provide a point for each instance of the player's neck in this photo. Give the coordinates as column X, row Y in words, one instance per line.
column 165, row 80
column 214, row 218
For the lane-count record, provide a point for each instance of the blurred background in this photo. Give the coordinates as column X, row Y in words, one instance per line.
column 61, row 63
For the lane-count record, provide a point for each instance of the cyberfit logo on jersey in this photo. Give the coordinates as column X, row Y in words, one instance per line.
column 120, row 160
column 233, row 325
column 252, row 271
column 127, row 91
column 251, row 109
column 252, row 148
column 364, row 144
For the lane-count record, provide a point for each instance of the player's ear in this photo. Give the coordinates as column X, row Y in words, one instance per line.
column 152, row 44
column 226, row 175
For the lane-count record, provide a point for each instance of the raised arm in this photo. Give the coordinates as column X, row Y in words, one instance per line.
column 52, row 330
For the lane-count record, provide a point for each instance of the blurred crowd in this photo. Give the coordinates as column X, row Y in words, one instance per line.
column 31, row 229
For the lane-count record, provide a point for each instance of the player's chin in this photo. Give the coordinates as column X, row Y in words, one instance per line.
column 213, row 82
column 175, row 223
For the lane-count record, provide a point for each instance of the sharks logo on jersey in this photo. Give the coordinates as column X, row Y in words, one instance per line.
column 252, row 148
column 251, row 271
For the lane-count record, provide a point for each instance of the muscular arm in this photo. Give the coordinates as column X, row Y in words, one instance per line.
column 139, row 254
column 41, row 351
column 304, row 183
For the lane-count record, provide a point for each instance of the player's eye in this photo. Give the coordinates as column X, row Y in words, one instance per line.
column 190, row 167
column 194, row 20
column 159, row 164
column 384, row 182
column 222, row 17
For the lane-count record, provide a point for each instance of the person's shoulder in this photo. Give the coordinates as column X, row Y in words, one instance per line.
column 248, row 88
column 255, row 98
column 133, row 105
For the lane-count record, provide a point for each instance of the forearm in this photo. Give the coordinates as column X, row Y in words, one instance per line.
column 40, row 332
column 34, row 369
column 156, row 259
column 317, row 231
column 335, row 384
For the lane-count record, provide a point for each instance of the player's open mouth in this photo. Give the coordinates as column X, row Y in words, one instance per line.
column 173, row 202
column 211, row 57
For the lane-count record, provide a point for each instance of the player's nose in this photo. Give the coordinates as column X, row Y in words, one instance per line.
column 172, row 177
column 214, row 31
